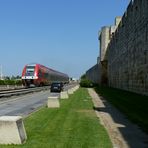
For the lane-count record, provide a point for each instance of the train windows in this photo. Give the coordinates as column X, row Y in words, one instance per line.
column 46, row 75
column 30, row 70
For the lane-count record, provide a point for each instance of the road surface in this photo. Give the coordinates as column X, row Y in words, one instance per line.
column 23, row 105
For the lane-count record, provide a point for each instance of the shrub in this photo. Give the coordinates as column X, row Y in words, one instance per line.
column 86, row 83
column 10, row 82
column 2, row 82
column 18, row 82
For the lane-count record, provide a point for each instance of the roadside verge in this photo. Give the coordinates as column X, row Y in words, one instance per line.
column 123, row 133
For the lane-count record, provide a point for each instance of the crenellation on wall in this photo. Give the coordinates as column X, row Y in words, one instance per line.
column 130, row 8
column 117, row 21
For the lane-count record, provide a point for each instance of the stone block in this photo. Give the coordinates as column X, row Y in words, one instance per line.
column 12, row 130
column 64, row 95
column 76, row 87
column 53, row 102
column 70, row 91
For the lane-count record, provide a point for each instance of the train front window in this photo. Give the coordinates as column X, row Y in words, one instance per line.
column 30, row 70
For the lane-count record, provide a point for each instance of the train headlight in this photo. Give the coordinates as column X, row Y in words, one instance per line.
column 36, row 77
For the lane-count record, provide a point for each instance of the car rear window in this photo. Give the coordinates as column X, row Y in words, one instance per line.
column 56, row 84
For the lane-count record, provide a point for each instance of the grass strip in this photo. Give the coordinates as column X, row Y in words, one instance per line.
column 73, row 125
column 133, row 105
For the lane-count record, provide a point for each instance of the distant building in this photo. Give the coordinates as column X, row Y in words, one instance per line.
column 1, row 73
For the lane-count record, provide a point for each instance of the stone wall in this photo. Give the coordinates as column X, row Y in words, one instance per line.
column 93, row 74
column 128, row 50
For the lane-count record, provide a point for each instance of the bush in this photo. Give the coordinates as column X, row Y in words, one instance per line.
column 2, row 82
column 10, row 82
column 86, row 83
column 18, row 82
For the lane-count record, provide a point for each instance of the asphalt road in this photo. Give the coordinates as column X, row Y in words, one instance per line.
column 24, row 105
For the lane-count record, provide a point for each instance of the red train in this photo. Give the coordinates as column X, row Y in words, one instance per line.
column 39, row 75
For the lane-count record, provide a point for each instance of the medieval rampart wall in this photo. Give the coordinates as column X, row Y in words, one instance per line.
column 128, row 50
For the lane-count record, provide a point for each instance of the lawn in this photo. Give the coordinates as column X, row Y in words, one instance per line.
column 134, row 106
column 73, row 125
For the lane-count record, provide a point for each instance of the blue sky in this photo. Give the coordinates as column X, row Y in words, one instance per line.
column 60, row 34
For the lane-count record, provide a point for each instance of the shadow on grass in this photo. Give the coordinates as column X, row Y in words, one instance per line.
column 134, row 108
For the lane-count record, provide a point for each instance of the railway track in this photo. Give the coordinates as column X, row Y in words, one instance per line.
column 22, row 91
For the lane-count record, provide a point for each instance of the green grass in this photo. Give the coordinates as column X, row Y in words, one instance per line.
column 73, row 125
column 135, row 106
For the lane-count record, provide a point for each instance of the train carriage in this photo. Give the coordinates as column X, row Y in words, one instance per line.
column 39, row 75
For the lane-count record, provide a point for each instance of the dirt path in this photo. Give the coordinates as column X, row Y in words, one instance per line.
column 123, row 133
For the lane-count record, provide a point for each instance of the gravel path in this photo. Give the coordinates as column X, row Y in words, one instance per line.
column 123, row 133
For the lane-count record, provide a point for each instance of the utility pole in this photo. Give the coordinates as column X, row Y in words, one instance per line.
column 1, row 73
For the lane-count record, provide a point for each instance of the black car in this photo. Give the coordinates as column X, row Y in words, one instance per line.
column 56, row 87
